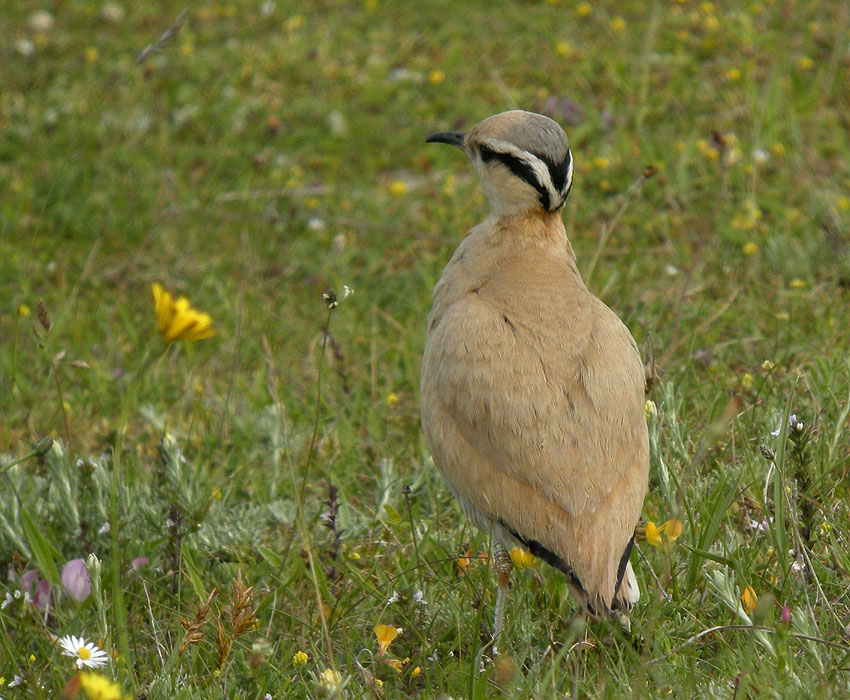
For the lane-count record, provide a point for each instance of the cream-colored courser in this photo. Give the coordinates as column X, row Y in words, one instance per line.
column 532, row 389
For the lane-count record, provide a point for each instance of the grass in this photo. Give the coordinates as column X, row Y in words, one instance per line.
column 275, row 476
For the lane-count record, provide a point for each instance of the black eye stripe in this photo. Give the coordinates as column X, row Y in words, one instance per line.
column 519, row 168
column 558, row 171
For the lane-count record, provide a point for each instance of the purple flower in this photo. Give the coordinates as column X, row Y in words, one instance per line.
column 76, row 579
column 41, row 598
column 28, row 578
column 785, row 615
column 138, row 563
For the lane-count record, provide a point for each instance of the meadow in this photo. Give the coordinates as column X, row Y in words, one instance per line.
column 255, row 514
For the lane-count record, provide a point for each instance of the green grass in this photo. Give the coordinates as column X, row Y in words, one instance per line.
column 250, row 165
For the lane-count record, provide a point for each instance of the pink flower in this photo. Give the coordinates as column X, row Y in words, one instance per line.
column 76, row 579
column 28, row 578
column 41, row 597
column 785, row 615
column 138, row 563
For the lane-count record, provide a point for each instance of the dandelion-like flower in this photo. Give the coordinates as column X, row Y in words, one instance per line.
column 87, row 654
column 97, row 687
column 177, row 320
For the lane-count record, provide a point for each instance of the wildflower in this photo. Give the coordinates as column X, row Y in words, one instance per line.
column 393, row 598
column 419, row 597
column 843, row 203
column 618, row 24
column 398, row 188
column 748, row 600
column 653, row 534
column 23, row 310
column 92, row 54
column 746, row 381
column 177, row 320
column 435, row 77
column 785, row 615
column 521, row 558
column 17, row 680
column 733, row 75
column 797, row 283
column 385, row 635
column 805, row 63
column 415, row 672
column 584, row 9
column 392, row 398
column 86, row 653
column 97, row 687
column 329, row 682
column 671, row 528
column 750, row 248
column 76, row 579
column 563, row 49
column 138, row 563
column 650, row 409
column 6, row 603
column 299, row 659
column 41, row 597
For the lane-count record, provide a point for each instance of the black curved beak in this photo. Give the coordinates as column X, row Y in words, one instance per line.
column 453, row 138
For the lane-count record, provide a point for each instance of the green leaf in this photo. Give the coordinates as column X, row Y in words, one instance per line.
column 43, row 551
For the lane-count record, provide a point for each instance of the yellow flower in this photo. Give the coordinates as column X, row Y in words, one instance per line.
column 329, row 681
column 733, row 75
column 767, row 365
column 435, row 77
column 23, row 311
column 748, row 600
column 415, row 672
column 392, row 398
column 398, row 188
column 385, row 635
column 97, row 687
column 299, row 659
column 672, row 529
column 706, row 150
column 798, row 284
column 618, row 24
column 92, row 54
column 601, row 162
column 584, row 9
column 805, row 63
column 177, row 320
column 521, row 558
column 653, row 534
column 843, row 203
column 563, row 48
column 747, row 381
column 750, row 248
column 649, row 408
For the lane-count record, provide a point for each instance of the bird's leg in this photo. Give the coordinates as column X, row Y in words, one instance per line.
column 503, row 566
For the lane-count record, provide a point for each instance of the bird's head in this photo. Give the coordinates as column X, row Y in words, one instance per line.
column 522, row 159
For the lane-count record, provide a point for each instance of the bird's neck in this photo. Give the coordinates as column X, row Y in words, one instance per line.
column 530, row 227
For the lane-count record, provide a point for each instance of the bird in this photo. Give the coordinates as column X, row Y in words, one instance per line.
column 532, row 391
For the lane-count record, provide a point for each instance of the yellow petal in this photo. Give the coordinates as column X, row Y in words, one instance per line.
column 385, row 635
column 748, row 600
column 521, row 558
column 653, row 534
column 672, row 529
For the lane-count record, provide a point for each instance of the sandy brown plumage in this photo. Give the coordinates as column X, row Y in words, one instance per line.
column 532, row 390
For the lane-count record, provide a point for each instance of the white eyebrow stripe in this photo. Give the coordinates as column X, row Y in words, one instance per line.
column 540, row 169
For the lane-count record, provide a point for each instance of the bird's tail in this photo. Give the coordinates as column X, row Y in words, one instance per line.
column 629, row 591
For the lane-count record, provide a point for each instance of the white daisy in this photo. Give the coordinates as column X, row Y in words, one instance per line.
column 86, row 653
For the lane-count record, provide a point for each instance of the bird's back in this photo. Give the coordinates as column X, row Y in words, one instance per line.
column 532, row 397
